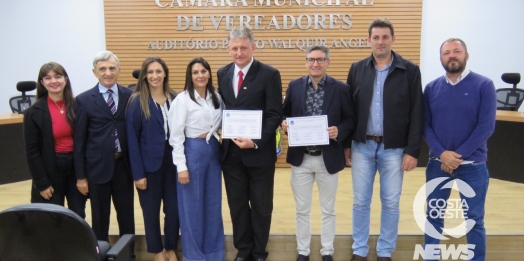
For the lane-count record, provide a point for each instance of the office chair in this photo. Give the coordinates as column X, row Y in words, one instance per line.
column 20, row 103
column 48, row 232
column 510, row 99
column 135, row 73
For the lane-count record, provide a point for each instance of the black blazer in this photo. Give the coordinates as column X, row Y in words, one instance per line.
column 263, row 92
column 94, row 150
column 403, row 102
column 40, row 145
column 336, row 105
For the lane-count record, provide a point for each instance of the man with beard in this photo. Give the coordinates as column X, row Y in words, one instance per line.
column 460, row 109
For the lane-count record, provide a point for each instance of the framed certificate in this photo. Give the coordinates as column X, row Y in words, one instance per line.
column 308, row 131
column 241, row 123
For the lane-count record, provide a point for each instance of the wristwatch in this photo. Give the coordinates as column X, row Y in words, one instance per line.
column 255, row 146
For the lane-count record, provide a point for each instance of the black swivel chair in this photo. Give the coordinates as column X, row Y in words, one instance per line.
column 510, row 99
column 133, row 86
column 48, row 232
column 20, row 103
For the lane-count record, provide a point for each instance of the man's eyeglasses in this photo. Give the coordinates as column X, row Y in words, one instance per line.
column 319, row 60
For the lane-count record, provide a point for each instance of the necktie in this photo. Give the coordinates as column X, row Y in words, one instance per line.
column 112, row 107
column 240, row 80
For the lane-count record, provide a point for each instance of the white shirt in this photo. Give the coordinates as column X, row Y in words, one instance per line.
column 461, row 76
column 188, row 119
column 236, row 76
column 164, row 109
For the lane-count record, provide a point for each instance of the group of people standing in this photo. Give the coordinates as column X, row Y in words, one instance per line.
column 167, row 144
column 377, row 120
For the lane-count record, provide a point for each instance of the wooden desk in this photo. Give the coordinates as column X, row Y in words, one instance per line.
column 11, row 118
column 506, row 147
column 13, row 163
column 513, row 116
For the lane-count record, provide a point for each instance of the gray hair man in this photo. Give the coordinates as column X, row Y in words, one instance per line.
column 249, row 164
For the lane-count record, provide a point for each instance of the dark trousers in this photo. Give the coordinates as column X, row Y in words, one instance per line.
column 250, row 198
column 64, row 187
column 161, row 187
column 120, row 188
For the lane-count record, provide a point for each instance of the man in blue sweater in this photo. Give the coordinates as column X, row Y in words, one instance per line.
column 460, row 110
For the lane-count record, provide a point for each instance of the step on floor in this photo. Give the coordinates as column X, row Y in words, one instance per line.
column 283, row 248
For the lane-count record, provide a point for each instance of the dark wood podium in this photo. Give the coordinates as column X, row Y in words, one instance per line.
column 13, row 164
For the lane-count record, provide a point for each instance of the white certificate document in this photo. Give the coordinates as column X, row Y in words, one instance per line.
column 307, row 131
column 241, row 123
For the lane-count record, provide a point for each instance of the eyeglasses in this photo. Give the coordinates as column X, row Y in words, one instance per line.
column 319, row 60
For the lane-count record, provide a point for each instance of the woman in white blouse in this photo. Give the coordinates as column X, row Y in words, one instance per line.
column 151, row 156
column 194, row 119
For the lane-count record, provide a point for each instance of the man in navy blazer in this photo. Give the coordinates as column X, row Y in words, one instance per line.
column 311, row 95
column 249, row 165
column 100, row 148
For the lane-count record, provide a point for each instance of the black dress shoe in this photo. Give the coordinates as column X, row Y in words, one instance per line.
column 327, row 258
column 302, row 258
column 260, row 259
column 241, row 259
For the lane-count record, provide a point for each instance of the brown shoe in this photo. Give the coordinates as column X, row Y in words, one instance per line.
column 358, row 258
column 384, row 258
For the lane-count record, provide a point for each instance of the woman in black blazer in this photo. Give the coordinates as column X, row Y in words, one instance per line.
column 48, row 135
column 151, row 156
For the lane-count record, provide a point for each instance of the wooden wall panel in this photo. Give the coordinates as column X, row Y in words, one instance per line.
column 131, row 25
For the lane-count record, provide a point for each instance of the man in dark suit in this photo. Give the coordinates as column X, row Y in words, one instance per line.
column 249, row 165
column 317, row 94
column 100, row 148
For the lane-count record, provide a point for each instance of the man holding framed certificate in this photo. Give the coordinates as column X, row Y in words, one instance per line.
column 318, row 118
column 249, row 88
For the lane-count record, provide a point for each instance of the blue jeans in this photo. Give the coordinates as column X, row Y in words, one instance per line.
column 475, row 175
column 200, row 203
column 366, row 159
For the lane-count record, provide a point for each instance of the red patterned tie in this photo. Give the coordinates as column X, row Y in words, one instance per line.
column 240, row 80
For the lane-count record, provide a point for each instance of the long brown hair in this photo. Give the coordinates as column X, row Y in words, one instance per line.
column 41, row 91
column 190, row 88
column 142, row 91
